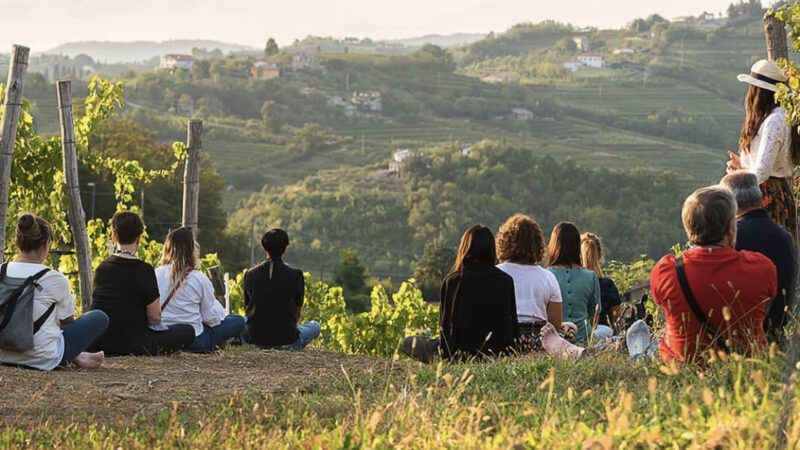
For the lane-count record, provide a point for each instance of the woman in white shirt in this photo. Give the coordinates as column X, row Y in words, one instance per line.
column 768, row 147
column 187, row 295
column 62, row 339
column 520, row 249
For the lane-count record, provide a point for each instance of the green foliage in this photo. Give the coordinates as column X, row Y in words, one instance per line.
column 352, row 276
column 271, row 47
column 432, row 267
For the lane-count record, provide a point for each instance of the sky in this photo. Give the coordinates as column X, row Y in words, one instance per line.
column 44, row 24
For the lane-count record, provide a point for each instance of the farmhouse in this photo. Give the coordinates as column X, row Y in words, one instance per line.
column 593, row 60
column 176, row 61
column 265, row 70
column 501, row 77
column 397, row 161
column 305, row 60
column 624, row 51
column 581, row 43
column 368, row 100
column 521, row 114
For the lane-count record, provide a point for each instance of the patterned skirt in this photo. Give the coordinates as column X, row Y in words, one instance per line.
column 780, row 203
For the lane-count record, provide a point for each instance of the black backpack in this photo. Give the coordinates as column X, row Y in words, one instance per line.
column 17, row 326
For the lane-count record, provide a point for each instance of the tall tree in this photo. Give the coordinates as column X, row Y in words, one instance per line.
column 432, row 267
column 271, row 48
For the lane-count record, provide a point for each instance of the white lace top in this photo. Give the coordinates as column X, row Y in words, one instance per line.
column 770, row 153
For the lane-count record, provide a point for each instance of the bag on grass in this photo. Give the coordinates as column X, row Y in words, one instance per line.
column 17, row 326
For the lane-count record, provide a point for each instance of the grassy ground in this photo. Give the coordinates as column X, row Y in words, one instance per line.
column 287, row 400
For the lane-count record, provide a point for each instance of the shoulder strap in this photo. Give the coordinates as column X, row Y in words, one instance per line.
column 175, row 289
column 40, row 321
column 3, row 269
column 692, row 301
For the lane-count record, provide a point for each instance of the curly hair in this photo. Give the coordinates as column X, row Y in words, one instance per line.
column 520, row 240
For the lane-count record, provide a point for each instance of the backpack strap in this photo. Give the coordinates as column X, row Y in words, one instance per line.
column 40, row 321
column 692, row 301
column 12, row 304
column 3, row 270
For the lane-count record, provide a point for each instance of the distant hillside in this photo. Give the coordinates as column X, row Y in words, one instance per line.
column 385, row 47
column 441, row 40
column 117, row 52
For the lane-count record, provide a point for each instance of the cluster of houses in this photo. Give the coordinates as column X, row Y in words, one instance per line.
column 358, row 103
column 263, row 69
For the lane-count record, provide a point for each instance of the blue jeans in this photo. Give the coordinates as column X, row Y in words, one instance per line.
column 211, row 337
column 308, row 332
column 81, row 332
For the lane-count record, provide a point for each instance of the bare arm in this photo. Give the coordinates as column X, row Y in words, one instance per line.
column 67, row 320
column 554, row 314
column 154, row 312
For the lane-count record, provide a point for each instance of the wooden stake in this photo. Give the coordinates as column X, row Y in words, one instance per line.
column 191, row 175
column 8, row 128
column 775, row 32
column 77, row 217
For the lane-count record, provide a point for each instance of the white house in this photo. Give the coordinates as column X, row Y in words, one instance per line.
column 573, row 65
column 265, row 70
column 624, row 51
column 500, row 77
column 593, row 60
column 303, row 60
column 175, row 61
column 397, row 161
column 521, row 114
column 581, row 43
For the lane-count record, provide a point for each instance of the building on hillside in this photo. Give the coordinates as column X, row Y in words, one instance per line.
column 368, row 100
column 175, row 61
column 501, row 77
column 624, row 51
column 309, row 91
column 682, row 20
column 592, row 59
column 521, row 114
column 573, row 65
column 581, row 43
column 305, row 60
column 334, row 101
column 396, row 164
column 265, row 70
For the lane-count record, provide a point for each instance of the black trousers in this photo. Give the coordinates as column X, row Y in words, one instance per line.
column 151, row 343
column 421, row 348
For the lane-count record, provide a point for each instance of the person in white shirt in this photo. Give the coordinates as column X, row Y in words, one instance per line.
column 768, row 147
column 187, row 295
column 520, row 249
column 62, row 339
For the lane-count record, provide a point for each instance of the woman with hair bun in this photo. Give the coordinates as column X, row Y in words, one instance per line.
column 61, row 339
column 126, row 289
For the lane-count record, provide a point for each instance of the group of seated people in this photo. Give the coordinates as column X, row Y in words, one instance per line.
column 139, row 310
column 732, row 291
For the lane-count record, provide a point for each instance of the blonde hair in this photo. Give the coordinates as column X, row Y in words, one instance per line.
column 592, row 253
column 180, row 252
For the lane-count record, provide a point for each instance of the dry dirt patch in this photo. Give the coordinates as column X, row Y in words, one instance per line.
column 127, row 387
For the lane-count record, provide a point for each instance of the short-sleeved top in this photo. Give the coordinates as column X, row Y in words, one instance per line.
column 271, row 303
column 609, row 296
column 580, row 296
column 770, row 152
column 733, row 289
column 48, row 343
column 535, row 288
column 122, row 289
column 193, row 302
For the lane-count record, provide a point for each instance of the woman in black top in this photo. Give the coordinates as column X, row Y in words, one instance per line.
column 477, row 311
column 125, row 288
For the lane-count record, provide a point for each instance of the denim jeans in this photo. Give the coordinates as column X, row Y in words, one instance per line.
column 308, row 332
column 211, row 337
column 81, row 332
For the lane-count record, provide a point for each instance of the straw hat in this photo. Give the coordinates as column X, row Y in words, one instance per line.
column 764, row 74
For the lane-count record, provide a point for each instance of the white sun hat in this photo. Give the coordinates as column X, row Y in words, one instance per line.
column 764, row 74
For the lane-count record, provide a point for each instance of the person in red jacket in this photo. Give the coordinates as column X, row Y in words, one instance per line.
column 732, row 288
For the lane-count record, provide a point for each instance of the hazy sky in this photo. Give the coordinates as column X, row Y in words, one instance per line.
column 43, row 24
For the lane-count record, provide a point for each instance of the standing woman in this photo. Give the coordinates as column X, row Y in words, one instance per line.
column 477, row 310
column 768, row 147
column 580, row 288
column 610, row 300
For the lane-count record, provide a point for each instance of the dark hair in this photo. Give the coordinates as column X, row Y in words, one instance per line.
column 127, row 226
column 520, row 240
column 477, row 244
column 32, row 232
column 565, row 245
column 758, row 104
column 275, row 242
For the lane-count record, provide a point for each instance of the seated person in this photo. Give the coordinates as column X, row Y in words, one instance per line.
column 478, row 311
column 610, row 300
column 125, row 288
column 60, row 339
column 520, row 249
column 732, row 289
column 273, row 299
column 187, row 295
column 755, row 231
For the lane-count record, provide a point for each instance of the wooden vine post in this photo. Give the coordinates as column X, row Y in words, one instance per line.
column 191, row 175
column 77, row 217
column 775, row 32
column 8, row 128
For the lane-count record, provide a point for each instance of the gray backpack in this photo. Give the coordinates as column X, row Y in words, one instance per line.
column 17, row 326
